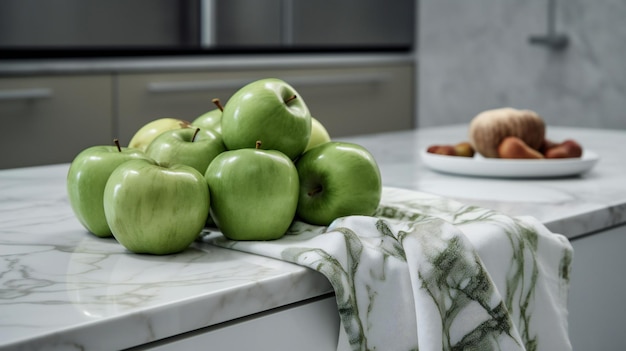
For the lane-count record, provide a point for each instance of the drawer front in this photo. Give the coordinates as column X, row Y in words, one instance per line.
column 48, row 120
column 305, row 326
column 596, row 302
column 347, row 100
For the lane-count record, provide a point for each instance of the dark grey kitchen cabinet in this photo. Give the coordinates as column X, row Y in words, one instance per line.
column 347, row 100
column 50, row 119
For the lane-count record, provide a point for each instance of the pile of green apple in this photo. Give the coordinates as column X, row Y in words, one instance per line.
column 250, row 168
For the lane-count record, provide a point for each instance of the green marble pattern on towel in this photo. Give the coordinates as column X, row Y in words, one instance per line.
column 427, row 273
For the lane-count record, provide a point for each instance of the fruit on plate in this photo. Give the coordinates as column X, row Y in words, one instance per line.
column 489, row 128
column 155, row 209
column 337, row 179
column 511, row 134
column 144, row 136
column 254, row 193
column 319, row 134
column 514, row 147
column 547, row 144
column 463, row 149
column 269, row 110
column 212, row 119
column 193, row 147
column 441, row 150
column 567, row 149
column 86, row 179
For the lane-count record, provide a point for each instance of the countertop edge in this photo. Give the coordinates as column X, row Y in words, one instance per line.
column 186, row 315
column 179, row 64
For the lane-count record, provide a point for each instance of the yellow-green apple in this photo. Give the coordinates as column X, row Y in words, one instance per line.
column 154, row 209
column 193, row 147
column 319, row 134
column 337, row 179
column 86, row 178
column 269, row 110
column 144, row 136
column 254, row 193
column 211, row 119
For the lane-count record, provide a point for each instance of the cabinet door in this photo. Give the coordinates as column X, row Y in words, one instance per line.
column 307, row 326
column 49, row 120
column 347, row 100
column 596, row 300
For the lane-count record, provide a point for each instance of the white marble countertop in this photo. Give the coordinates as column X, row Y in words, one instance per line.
column 572, row 206
column 64, row 288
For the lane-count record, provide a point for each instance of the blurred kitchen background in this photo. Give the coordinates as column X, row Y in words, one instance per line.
column 77, row 73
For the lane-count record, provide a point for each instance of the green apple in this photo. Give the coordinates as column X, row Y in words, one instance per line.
column 155, row 209
column 144, row 136
column 86, row 178
column 269, row 110
column 254, row 193
column 192, row 147
column 337, row 179
column 211, row 119
column 319, row 134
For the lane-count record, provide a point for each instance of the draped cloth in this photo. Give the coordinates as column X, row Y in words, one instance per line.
column 429, row 273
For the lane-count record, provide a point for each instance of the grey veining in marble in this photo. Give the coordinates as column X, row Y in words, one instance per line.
column 54, row 276
column 475, row 55
column 61, row 287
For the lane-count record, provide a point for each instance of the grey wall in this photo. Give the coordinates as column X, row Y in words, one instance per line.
column 474, row 55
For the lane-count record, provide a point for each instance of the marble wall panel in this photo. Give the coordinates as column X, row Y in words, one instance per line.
column 475, row 55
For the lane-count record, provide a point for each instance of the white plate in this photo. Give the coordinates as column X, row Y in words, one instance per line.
column 509, row 168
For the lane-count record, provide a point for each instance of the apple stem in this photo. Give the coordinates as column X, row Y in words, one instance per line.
column 117, row 143
column 194, row 135
column 315, row 191
column 292, row 97
column 258, row 144
column 217, row 103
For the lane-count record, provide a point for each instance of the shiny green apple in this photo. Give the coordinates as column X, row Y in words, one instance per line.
column 211, row 119
column 337, row 179
column 193, row 147
column 144, row 136
column 254, row 193
column 86, row 178
column 154, row 209
column 319, row 134
column 269, row 110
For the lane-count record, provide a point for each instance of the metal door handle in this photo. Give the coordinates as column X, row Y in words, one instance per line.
column 339, row 79
column 327, row 80
column 25, row 94
column 551, row 39
column 195, row 86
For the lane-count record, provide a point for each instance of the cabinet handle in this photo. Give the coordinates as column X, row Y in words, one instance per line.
column 191, row 86
column 327, row 80
column 25, row 94
column 340, row 79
